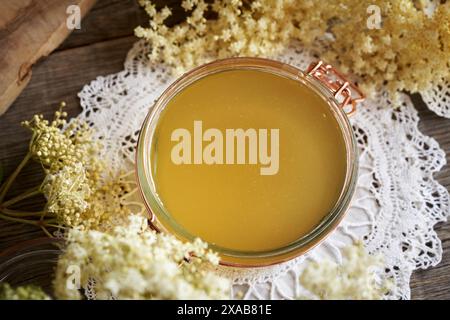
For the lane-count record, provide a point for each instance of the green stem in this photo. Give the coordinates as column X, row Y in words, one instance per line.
column 13, row 219
column 46, row 231
column 28, row 194
column 44, row 223
column 13, row 177
column 16, row 213
column 43, row 213
column 53, row 220
column 55, row 226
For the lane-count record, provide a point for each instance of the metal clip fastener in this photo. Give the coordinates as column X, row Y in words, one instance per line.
column 340, row 87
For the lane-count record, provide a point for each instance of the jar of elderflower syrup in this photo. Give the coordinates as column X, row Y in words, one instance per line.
column 253, row 156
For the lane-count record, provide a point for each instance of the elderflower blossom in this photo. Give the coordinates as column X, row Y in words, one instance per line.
column 411, row 50
column 134, row 262
column 76, row 202
column 56, row 148
column 29, row 292
column 67, row 192
column 355, row 279
column 79, row 189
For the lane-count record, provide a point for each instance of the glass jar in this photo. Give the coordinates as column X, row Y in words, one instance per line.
column 30, row 262
column 326, row 82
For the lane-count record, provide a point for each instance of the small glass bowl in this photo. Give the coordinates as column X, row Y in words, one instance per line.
column 30, row 262
column 326, row 82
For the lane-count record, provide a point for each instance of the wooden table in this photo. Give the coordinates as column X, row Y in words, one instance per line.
column 99, row 48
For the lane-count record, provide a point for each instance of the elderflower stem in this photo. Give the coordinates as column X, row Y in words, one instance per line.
column 28, row 194
column 46, row 231
column 127, row 174
column 41, row 224
column 18, row 214
column 13, row 219
column 52, row 220
column 43, row 213
column 13, row 176
column 129, row 194
column 56, row 226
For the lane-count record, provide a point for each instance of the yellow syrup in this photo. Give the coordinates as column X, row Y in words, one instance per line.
column 233, row 204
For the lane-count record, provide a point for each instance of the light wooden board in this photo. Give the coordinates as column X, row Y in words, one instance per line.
column 29, row 30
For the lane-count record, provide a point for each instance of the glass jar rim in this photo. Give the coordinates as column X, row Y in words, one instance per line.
column 161, row 219
column 30, row 261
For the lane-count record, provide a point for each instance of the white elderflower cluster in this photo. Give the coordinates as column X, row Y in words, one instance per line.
column 410, row 51
column 133, row 262
column 357, row 278
column 67, row 192
column 56, row 147
column 79, row 189
column 242, row 28
column 28, row 292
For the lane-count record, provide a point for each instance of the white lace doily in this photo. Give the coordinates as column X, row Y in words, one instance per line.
column 397, row 201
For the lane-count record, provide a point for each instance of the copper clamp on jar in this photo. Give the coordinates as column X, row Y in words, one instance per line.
column 339, row 86
column 341, row 97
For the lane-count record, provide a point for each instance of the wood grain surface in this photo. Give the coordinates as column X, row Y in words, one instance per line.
column 99, row 48
column 29, row 30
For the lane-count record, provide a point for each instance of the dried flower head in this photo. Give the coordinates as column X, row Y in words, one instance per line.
column 134, row 262
column 357, row 278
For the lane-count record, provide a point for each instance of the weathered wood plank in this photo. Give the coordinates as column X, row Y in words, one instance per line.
column 114, row 19
column 434, row 283
column 107, row 20
column 58, row 78
column 96, row 50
